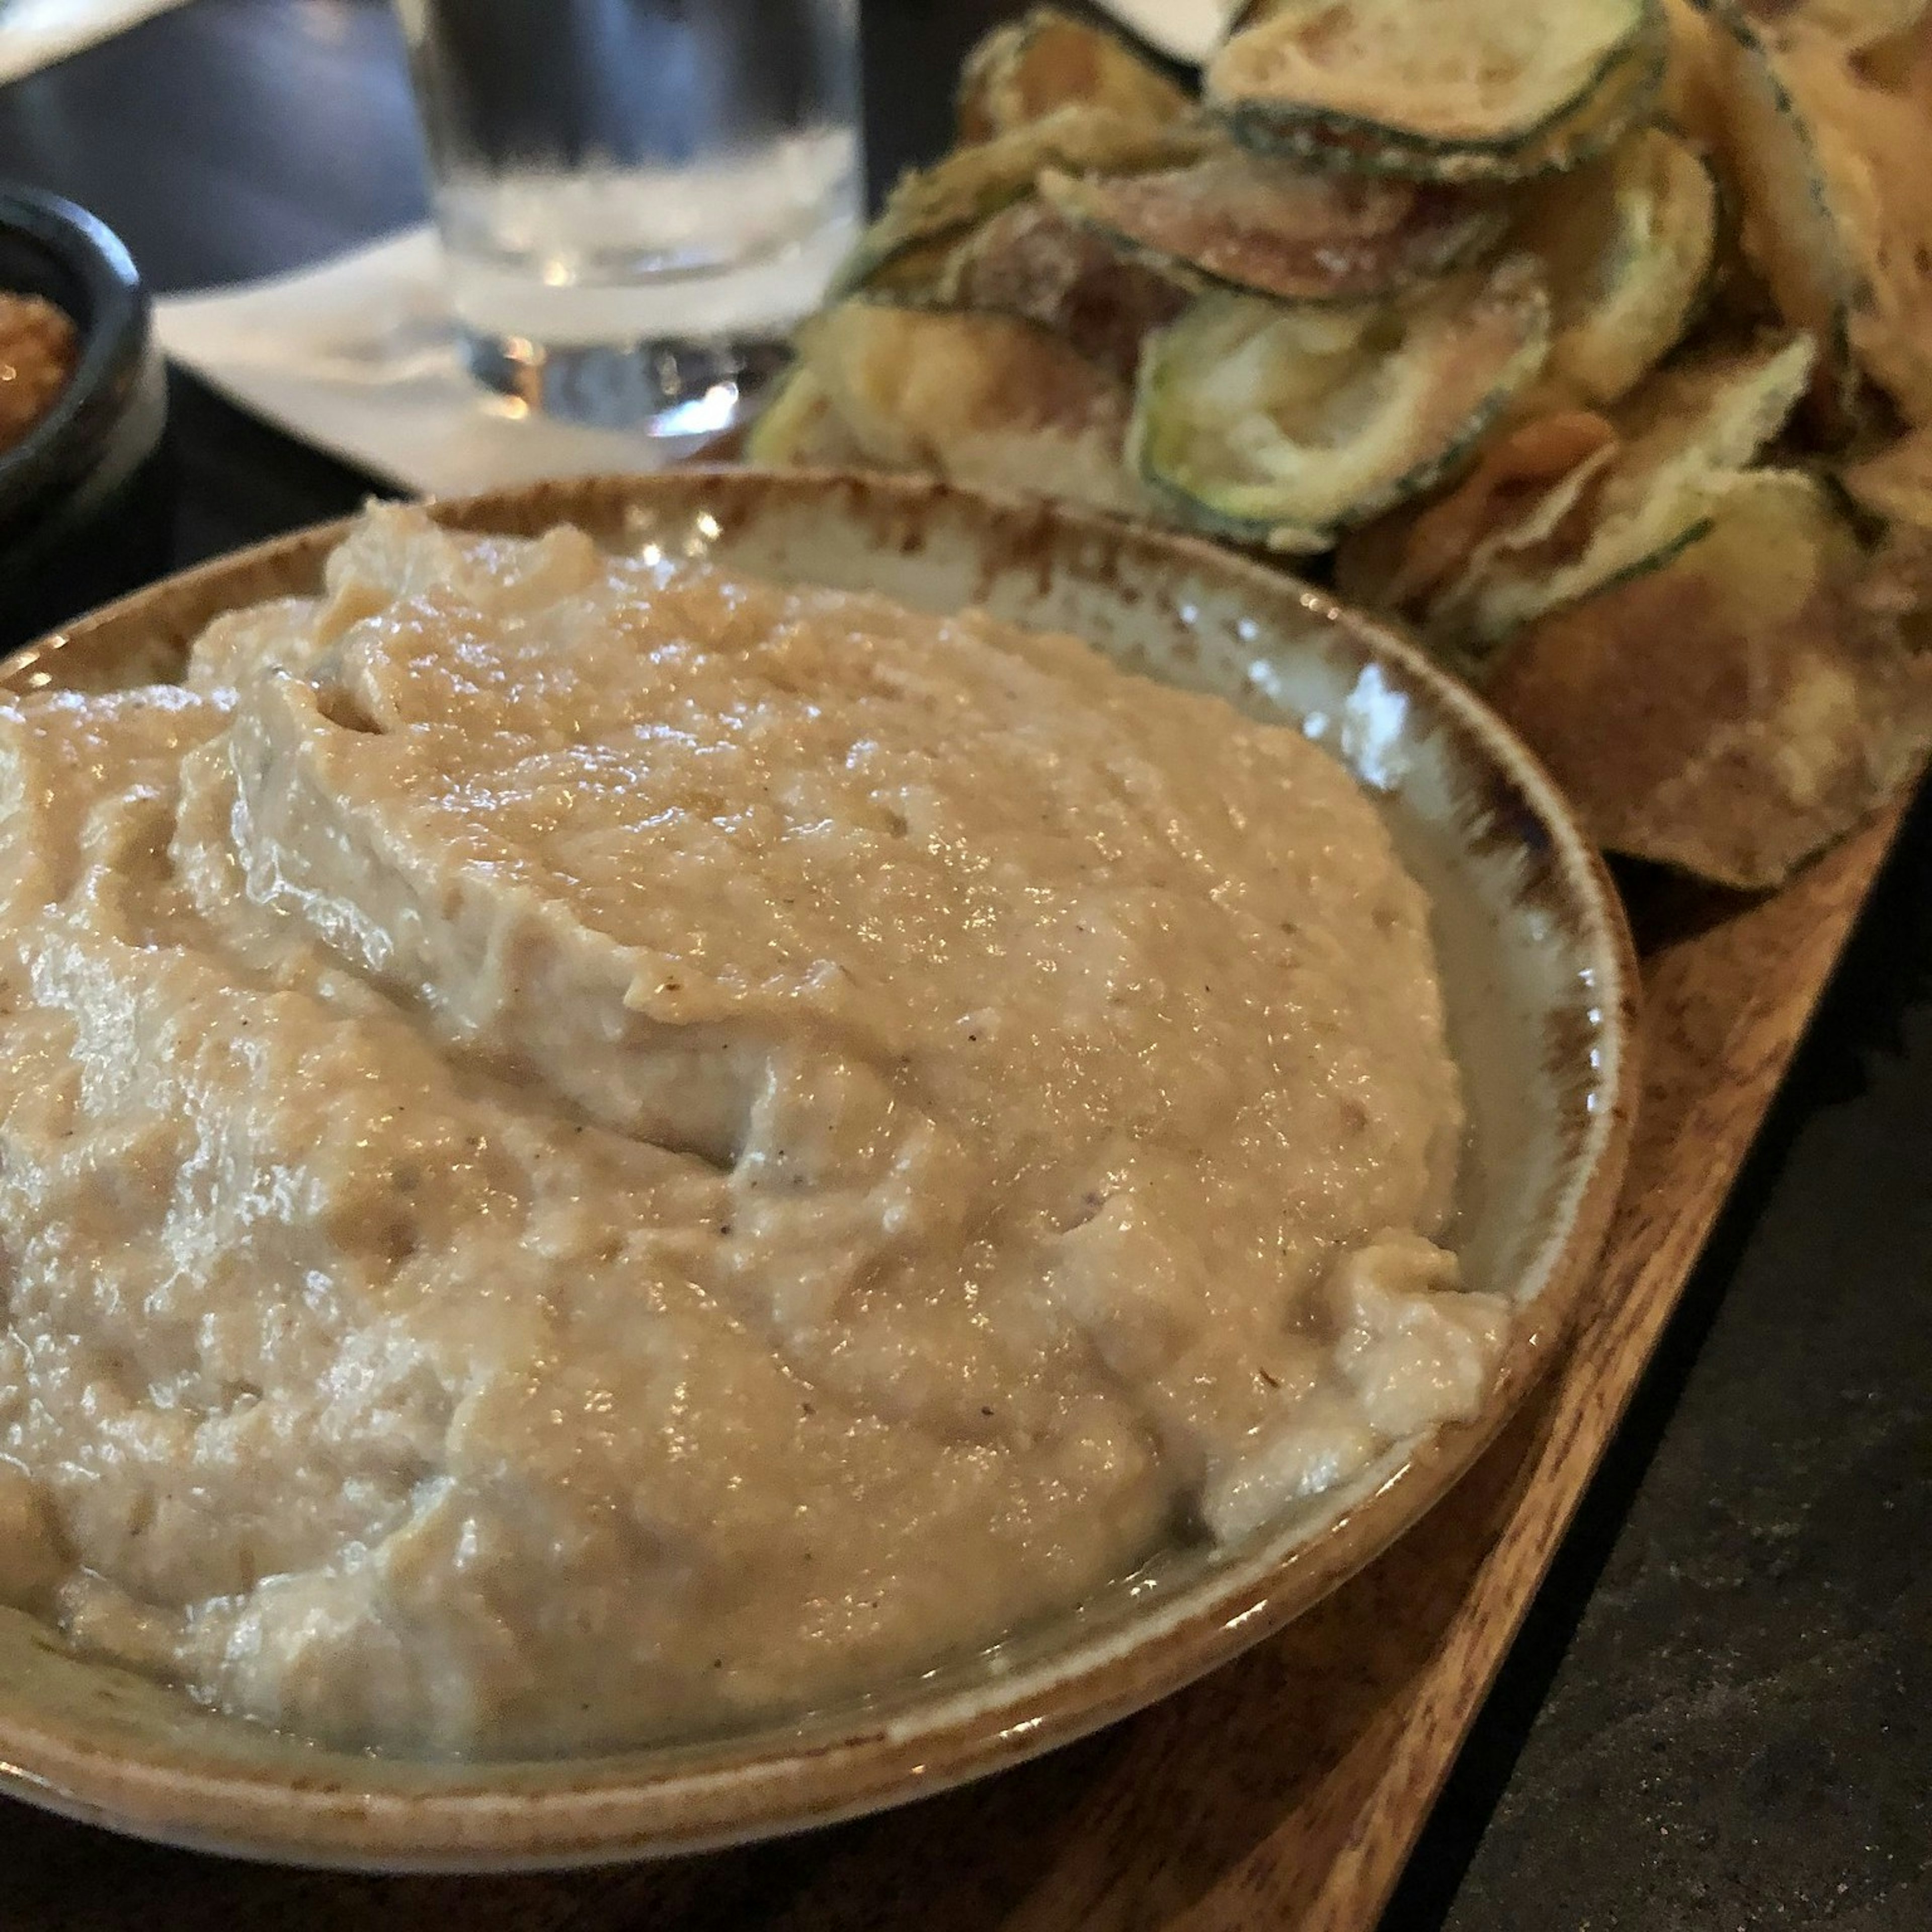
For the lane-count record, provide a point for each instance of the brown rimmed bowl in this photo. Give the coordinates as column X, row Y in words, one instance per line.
column 1540, row 981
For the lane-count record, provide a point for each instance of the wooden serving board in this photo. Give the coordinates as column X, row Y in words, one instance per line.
column 1284, row 1791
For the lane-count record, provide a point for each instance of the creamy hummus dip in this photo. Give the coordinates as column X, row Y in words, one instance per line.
column 591, row 1149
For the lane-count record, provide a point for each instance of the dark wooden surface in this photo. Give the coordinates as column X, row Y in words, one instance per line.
column 1720, row 1714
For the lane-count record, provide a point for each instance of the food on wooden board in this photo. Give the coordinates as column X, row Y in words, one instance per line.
column 1504, row 306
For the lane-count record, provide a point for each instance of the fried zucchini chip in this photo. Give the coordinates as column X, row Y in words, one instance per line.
column 798, row 427
column 1896, row 484
column 1284, row 426
column 989, row 399
column 1791, row 233
column 1029, row 260
column 1263, row 226
column 1404, row 561
column 942, row 203
column 1871, row 125
column 1825, row 147
column 1628, row 244
column 1454, row 90
column 919, row 272
column 1734, row 710
column 1022, row 72
column 1690, row 101
column 1684, row 435
column 1857, row 25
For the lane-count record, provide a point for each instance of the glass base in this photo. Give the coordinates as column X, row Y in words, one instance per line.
column 658, row 388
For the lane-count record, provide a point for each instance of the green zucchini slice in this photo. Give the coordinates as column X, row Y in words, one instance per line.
column 990, row 399
column 1685, row 437
column 1283, row 426
column 1271, row 227
column 1029, row 260
column 946, row 201
column 1627, row 243
column 1793, row 233
column 1865, row 119
column 1022, row 72
column 1629, row 96
column 1448, row 89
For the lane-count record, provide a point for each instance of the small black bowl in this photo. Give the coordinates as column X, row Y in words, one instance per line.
column 82, row 495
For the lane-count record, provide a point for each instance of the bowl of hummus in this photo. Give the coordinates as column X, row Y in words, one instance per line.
column 681, row 1156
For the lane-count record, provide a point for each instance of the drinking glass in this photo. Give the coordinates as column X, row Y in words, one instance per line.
column 637, row 198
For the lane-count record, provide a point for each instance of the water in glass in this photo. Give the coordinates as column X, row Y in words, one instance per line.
column 637, row 198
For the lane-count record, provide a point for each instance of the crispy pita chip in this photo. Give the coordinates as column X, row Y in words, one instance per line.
column 1735, row 710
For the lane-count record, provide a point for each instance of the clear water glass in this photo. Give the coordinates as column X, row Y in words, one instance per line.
column 637, row 198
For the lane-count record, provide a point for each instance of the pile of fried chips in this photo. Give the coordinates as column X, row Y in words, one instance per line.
column 1593, row 343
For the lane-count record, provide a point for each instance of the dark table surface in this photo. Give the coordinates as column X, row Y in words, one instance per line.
column 1720, row 1714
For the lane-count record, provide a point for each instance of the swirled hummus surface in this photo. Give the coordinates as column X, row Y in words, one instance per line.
column 590, row 1149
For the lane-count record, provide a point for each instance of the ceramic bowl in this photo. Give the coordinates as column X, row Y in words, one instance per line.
column 81, row 517
column 1538, row 973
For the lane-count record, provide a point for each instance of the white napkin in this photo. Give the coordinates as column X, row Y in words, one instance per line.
column 356, row 356
column 1187, row 30
column 36, row 33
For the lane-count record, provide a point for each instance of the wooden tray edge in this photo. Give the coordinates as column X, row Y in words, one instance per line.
column 1657, row 1236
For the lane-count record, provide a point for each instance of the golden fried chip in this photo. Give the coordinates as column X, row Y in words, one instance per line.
column 1690, row 103
column 1794, row 233
column 1871, row 130
column 1858, row 24
column 1684, row 436
column 1402, row 562
column 1264, row 226
column 1897, row 483
column 1031, row 260
column 989, row 399
column 798, row 427
column 918, row 273
column 1022, row 71
column 1628, row 244
column 1737, row 709
column 940, row 204
column 1823, row 139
